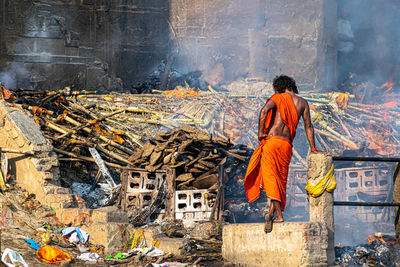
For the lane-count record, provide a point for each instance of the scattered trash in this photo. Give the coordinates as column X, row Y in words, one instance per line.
column 93, row 198
column 33, row 244
column 52, row 255
column 82, row 248
column 160, row 265
column 46, row 237
column 155, row 252
column 75, row 235
column 119, row 255
column 90, row 256
column 12, row 258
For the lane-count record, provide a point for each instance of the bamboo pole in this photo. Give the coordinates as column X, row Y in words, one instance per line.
column 70, row 154
column 337, row 139
column 90, row 123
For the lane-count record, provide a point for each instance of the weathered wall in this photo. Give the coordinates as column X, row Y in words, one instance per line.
column 90, row 43
column 87, row 43
column 259, row 38
column 289, row 244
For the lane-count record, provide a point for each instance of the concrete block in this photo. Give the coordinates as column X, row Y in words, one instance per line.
column 27, row 127
column 286, row 245
column 109, row 214
column 110, row 235
column 74, row 216
column 171, row 245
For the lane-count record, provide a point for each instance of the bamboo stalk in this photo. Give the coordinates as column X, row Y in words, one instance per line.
column 10, row 150
column 101, row 137
column 113, row 155
column 70, row 154
column 297, row 155
column 336, row 138
column 78, row 128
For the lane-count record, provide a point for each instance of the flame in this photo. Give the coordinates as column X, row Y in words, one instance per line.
column 376, row 236
column 182, row 92
column 379, row 140
column 388, row 85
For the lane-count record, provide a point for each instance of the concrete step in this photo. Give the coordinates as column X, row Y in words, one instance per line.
column 289, row 244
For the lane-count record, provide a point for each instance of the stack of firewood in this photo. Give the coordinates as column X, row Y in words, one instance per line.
column 193, row 153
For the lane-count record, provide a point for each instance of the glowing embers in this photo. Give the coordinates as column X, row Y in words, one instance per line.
column 378, row 236
column 183, row 92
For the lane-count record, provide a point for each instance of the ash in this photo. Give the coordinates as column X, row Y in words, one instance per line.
column 377, row 253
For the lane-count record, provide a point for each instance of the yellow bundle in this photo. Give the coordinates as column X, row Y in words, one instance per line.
column 327, row 183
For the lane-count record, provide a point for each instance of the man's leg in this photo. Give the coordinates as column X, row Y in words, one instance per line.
column 277, row 209
column 271, row 210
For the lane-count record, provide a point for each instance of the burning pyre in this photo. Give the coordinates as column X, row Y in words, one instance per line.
column 381, row 250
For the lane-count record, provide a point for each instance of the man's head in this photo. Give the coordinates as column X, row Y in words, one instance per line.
column 283, row 82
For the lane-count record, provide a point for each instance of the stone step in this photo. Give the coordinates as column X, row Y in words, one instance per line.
column 289, row 244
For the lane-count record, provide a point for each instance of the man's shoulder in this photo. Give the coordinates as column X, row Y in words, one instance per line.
column 301, row 99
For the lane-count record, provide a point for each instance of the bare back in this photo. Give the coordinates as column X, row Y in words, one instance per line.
column 278, row 126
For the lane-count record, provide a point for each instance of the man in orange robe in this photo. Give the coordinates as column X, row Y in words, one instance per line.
column 269, row 165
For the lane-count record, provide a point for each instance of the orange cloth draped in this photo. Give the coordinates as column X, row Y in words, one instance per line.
column 269, row 165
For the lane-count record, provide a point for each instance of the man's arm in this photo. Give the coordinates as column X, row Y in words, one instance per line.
column 308, row 126
column 263, row 116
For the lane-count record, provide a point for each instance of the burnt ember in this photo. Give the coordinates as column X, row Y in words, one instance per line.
column 380, row 251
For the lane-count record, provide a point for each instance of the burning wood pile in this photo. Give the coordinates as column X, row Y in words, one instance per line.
column 378, row 252
column 342, row 124
column 193, row 131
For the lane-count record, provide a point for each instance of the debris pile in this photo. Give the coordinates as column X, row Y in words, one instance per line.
column 377, row 252
column 193, row 153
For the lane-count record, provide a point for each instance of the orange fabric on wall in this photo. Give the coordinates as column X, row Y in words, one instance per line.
column 269, row 165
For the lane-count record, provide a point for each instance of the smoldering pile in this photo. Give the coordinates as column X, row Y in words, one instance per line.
column 377, row 253
column 194, row 154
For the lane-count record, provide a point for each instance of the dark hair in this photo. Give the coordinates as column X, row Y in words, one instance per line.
column 283, row 82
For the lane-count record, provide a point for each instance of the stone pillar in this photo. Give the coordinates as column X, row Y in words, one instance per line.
column 321, row 208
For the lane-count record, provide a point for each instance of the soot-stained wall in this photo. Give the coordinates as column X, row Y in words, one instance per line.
column 113, row 44
column 86, row 43
column 260, row 38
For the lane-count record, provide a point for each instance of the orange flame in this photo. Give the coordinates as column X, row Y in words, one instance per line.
column 388, row 85
column 180, row 91
column 376, row 236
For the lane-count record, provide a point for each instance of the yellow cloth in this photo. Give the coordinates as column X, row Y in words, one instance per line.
column 328, row 183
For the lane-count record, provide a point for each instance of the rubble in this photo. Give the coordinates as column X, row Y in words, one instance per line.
column 377, row 252
column 194, row 132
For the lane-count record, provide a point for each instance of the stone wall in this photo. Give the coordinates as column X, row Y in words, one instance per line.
column 39, row 174
column 86, row 43
column 93, row 43
column 261, row 38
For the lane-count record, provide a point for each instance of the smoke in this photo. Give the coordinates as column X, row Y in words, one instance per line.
column 375, row 55
column 15, row 75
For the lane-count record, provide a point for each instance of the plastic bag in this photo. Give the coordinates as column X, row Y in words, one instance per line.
column 90, row 256
column 12, row 258
column 76, row 234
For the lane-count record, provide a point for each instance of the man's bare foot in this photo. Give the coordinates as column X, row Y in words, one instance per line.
column 278, row 220
column 268, row 224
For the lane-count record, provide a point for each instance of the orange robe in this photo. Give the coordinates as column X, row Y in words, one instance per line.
column 269, row 165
